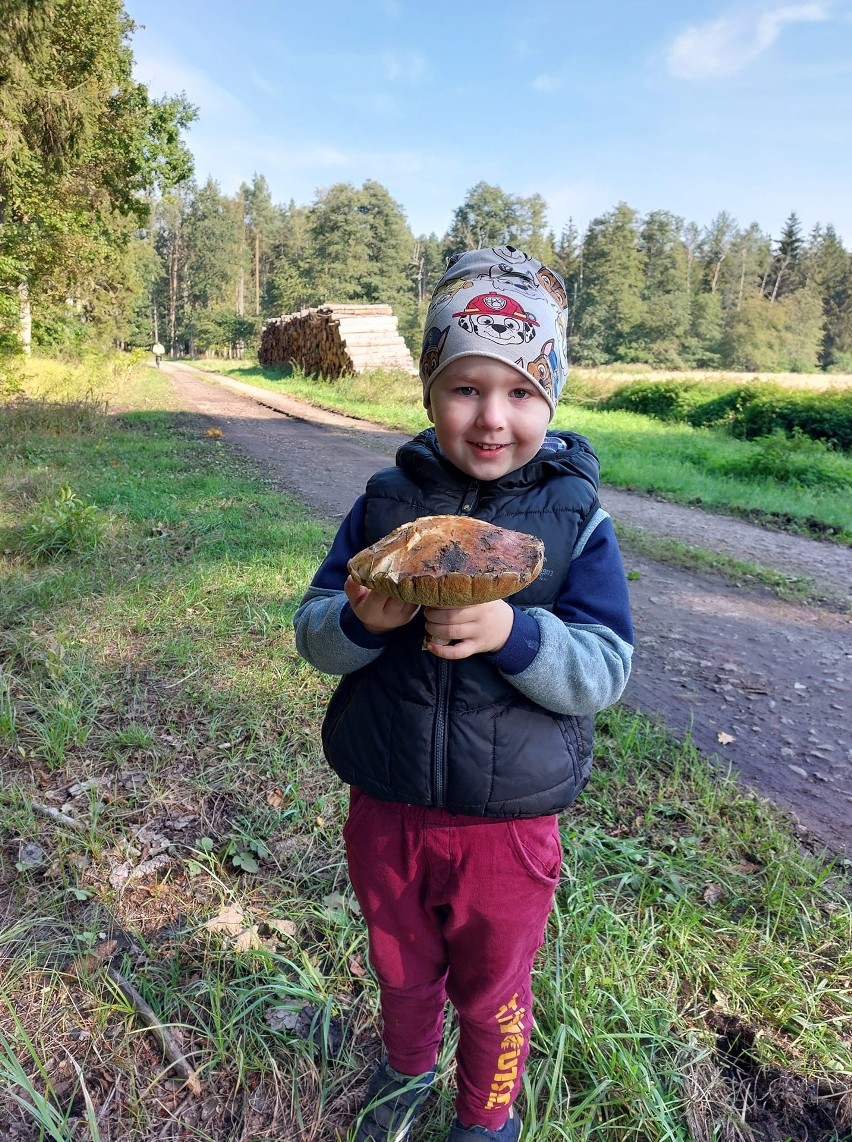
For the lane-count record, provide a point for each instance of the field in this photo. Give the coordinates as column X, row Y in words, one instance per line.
column 171, row 838
column 608, row 377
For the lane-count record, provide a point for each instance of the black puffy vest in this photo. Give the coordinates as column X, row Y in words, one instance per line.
column 415, row 729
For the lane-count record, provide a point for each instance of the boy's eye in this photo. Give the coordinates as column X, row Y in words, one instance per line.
column 465, row 390
column 520, row 394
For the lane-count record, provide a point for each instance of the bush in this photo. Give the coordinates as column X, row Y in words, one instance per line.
column 11, row 379
column 794, row 459
column 700, row 403
column 841, row 362
column 750, row 410
column 822, row 416
column 664, row 400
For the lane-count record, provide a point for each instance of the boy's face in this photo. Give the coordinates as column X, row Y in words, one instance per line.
column 488, row 419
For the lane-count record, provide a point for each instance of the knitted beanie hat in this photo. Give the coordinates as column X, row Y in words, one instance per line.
column 499, row 303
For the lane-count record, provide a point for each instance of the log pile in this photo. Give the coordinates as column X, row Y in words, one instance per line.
column 335, row 339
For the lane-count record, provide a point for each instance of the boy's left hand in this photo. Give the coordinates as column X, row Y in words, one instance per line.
column 479, row 629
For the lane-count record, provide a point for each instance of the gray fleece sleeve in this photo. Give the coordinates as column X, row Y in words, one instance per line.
column 585, row 645
column 579, row 669
column 321, row 639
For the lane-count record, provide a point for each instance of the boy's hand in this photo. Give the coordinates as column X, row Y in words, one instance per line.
column 479, row 629
column 377, row 613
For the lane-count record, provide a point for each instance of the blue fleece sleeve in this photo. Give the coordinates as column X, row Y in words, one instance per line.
column 577, row 661
column 328, row 633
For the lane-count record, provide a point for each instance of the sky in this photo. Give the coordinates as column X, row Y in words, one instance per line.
column 693, row 107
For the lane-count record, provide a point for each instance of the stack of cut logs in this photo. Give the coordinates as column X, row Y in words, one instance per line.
column 335, row 339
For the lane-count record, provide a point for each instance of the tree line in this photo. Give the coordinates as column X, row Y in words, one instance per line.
column 650, row 288
column 106, row 237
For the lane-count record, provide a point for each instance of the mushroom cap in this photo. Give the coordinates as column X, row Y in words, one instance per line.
column 449, row 561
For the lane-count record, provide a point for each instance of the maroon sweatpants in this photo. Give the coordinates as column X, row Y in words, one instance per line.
column 455, row 908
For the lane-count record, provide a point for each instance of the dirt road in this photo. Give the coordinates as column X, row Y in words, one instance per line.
column 773, row 679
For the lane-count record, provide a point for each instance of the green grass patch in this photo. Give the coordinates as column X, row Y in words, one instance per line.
column 737, row 572
column 167, row 815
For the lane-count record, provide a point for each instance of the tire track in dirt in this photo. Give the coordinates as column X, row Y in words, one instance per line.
column 775, row 678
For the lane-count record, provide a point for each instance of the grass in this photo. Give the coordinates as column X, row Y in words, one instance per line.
column 150, row 693
column 737, row 572
column 695, row 466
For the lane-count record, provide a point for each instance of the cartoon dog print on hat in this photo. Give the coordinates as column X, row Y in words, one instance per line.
column 449, row 291
column 510, row 254
column 505, row 276
column 497, row 318
column 433, row 344
column 549, row 282
column 544, row 368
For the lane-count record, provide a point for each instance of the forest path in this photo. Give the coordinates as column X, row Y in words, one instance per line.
column 712, row 659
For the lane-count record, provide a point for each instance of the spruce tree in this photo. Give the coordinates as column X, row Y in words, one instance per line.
column 788, row 265
column 610, row 306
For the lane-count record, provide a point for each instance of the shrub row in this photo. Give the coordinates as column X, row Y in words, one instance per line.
column 745, row 410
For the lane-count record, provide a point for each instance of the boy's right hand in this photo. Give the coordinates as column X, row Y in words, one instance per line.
column 377, row 613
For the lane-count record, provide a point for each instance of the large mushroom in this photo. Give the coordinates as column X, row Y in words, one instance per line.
column 449, row 561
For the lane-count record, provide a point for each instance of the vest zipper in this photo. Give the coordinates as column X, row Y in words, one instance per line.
column 445, row 673
column 440, row 756
column 468, row 500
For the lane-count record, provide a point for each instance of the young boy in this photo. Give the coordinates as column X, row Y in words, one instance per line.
column 461, row 750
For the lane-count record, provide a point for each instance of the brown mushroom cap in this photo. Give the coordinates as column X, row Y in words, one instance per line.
column 449, row 561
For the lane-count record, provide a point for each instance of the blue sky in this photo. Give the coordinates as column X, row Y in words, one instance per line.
column 688, row 107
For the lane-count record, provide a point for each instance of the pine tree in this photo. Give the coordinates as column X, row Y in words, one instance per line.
column 213, row 237
column 361, row 249
column 665, row 292
column 491, row 217
column 568, row 261
column 287, row 287
column 610, row 303
column 788, row 268
column 831, row 272
column 262, row 220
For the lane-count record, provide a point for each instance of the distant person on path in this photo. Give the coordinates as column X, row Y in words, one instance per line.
column 461, row 751
column 158, row 351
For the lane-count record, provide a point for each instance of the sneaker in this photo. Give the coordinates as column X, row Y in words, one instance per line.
column 510, row 1131
column 391, row 1104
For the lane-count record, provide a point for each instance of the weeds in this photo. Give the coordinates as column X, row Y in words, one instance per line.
column 26, row 416
column 67, row 525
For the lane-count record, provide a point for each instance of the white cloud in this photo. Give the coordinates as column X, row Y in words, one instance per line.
column 262, row 83
column 546, row 83
column 409, row 67
column 164, row 74
column 722, row 47
column 580, row 200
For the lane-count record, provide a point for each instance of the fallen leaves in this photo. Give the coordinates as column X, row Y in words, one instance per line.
column 724, row 739
column 357, row 968
column 338, row 907
column 246, row 933
column 231, row 921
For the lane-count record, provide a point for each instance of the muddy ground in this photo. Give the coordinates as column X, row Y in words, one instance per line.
column 772, row 678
